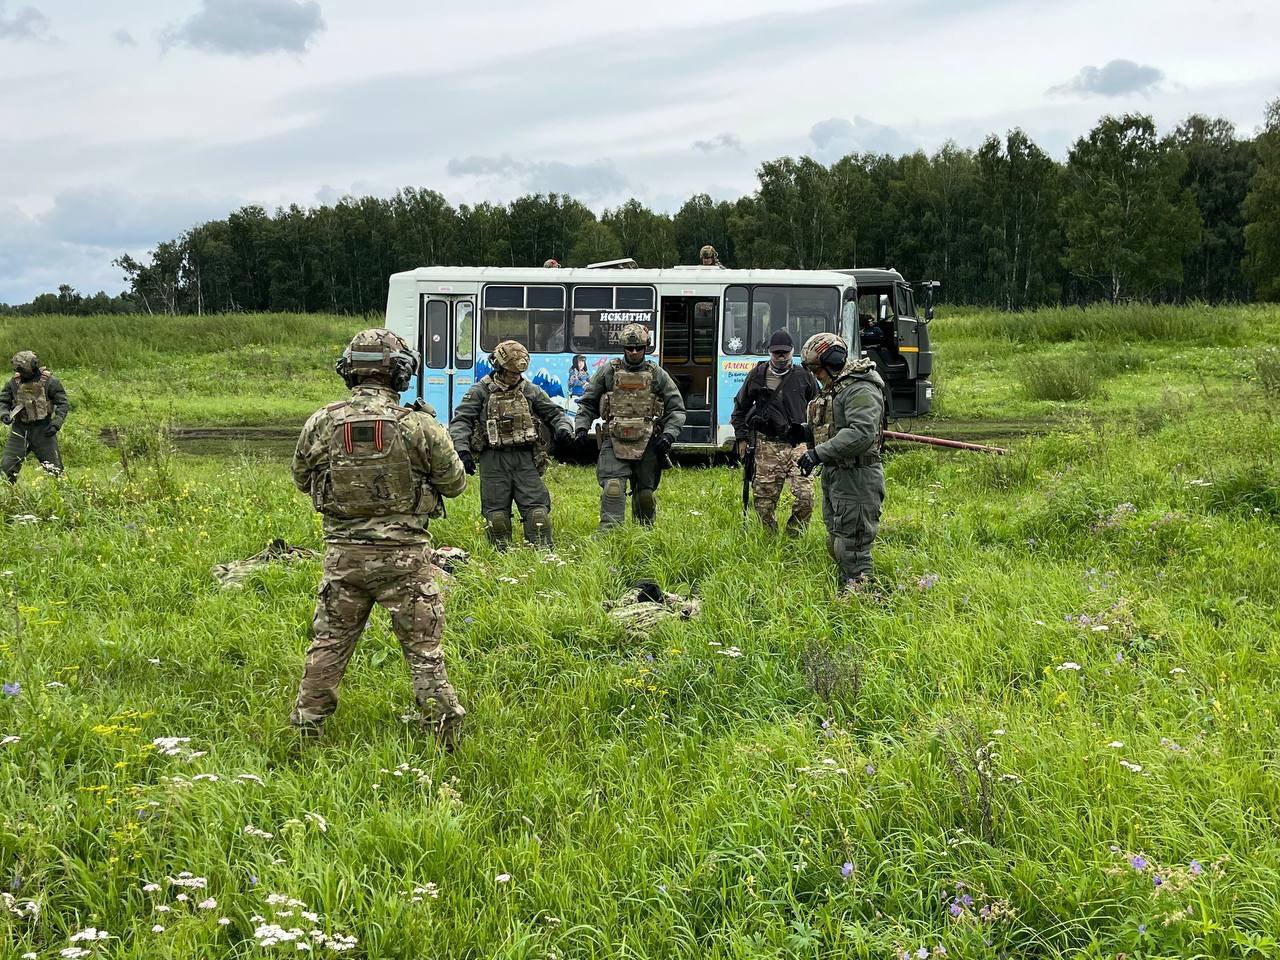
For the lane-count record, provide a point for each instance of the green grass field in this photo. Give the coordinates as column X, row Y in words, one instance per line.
column 1056, row 737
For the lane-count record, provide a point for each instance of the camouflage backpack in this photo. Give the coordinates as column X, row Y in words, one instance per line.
column 370, row 473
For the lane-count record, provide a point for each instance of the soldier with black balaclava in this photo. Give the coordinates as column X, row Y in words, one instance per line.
column 34, row 404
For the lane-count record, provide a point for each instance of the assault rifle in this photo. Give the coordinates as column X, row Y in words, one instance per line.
column 748, row 472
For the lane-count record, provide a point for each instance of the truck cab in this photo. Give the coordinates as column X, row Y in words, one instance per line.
column 893, row 334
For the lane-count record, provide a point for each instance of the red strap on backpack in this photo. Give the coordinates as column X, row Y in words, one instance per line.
column 346, row 435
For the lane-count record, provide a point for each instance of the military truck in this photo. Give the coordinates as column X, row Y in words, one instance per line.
column 896, row 337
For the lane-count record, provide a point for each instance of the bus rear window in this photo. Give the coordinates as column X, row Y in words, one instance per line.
column 531, row 315
column 600, row 313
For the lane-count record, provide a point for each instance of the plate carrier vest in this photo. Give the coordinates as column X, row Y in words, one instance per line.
column 369, row 473
column 630, row 409
column 33, row 396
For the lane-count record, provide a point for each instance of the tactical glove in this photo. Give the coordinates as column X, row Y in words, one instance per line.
column 7, row 418
column 663, row 444
column 796, row 434
column 807, row 462
column 54, row 427
column 468, row 462
column 581, row 435
column 563, row 439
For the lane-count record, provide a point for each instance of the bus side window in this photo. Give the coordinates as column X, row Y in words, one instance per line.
column 737, row 333
column 465, row 312
column 437, row 345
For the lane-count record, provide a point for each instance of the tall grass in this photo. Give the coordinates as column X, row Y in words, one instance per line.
column 1196, row 324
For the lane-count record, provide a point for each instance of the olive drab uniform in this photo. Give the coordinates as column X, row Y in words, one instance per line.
column 508, row 428
column 377, row 471
column 847, row 419
column 35, row 407
column 637, row 405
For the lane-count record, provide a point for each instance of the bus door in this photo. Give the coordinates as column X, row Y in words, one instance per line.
column 446, row 340
column 688, row 354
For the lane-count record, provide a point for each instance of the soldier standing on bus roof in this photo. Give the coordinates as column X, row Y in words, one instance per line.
column 846, row 423
column 34, row 404
column 506, row 422
column 770, row 409
column 643, row 414
column 377, row 472
column 708, row 257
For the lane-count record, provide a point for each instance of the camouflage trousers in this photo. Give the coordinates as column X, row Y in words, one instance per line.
column 401, row 579
column 776, row 468
column 27, row 438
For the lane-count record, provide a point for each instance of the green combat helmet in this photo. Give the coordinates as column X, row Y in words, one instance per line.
column 824, row 350
column 25, row 364
column 634, row 335
column 511, row 356
column 378, row 354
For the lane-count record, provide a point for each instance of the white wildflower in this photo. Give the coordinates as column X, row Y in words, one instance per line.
column 182, row 898
column 162, row 908
column 211, row 777
column 1116, row 744
column 1175, row 671
column 9, row 739
column 170, row 746
column 88, row 933
column 209, row 904
column 251, row 831
column 250, row 778
column 150, row 887
column 1069, row 665
column 224, row 922
column 55, row 685
column 503, row 878
column 73, row 953
column 157, row 929
column 1131, row 767
column 319, row 821
column 730, row 652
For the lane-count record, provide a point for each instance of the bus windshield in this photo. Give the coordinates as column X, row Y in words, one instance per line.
column 801, row 311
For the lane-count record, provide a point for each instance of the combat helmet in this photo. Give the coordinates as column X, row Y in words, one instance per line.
column 825, row 350
column 25, row 364
column 709, row 251
column 511, row 356
column 378, row 354
column 634, row 335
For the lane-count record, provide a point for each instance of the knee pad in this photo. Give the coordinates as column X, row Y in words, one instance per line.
column 537, row 525
column 646, row 504
column 498, row 526
column 615, row 487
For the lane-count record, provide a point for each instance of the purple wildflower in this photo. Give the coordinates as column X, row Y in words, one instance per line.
column 870, row 770
column 1156, row 881
column 1142, row 928
column 1119, row 656
column 468, row 619
column 966, row 900
column 956, row 909
column 1196, row 869
column 847, row 870
column 923, row 953
column 928, row 581
column 1138, row 862
column 12, row 689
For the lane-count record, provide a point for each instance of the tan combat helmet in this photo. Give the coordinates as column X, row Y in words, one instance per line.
column 708, row 252
column 511, row 356
column 378, row 354
column 824, row 350
column 552, row 264
column 25, row 362
column 634, row 335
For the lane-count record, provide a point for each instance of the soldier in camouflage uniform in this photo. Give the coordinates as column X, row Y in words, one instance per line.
column 769, row 412
column 847, row 423
column 505, row 421
column 377, row 471
column 33, row 402
column 708, row 257
column 643, row 414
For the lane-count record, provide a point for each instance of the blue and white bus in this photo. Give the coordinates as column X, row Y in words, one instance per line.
column 709, row 327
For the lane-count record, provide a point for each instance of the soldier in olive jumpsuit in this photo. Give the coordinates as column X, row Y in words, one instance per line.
column 498, row 422
column 643, row 414
column 847, row 424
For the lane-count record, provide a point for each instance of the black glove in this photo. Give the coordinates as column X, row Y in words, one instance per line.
column 7, row 418
column 564, row 439
column 468, row 462
column 54, row 427
column 663, row 444
column 807, row 462
column 581, row 435
column 796, row 434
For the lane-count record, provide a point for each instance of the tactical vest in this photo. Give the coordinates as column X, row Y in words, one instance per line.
column 630, row 409
column 369, row 472
column 508, row 417
column 33, row 396
column 821, row 414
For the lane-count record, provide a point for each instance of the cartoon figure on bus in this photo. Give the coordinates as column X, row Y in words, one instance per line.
column 579, row 376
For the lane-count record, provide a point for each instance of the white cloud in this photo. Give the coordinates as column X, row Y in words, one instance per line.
column 25, row 23
column 1116, row 78
column 838, row 137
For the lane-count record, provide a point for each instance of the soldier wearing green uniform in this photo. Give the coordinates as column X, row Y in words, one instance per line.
column 377, row 471
column 34, row 404
column 643, row 413
column 847, row 422
column 505, row 421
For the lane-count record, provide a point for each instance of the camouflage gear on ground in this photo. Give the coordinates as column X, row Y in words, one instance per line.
column 634, row 335
column 401, row 579
column 378, row 354
column 775, row 468
column 638, row 614
column 511, row 355
column 34, row 402
column 847, row 420
column 364, row 501
column 616, row 467
column 234, row 574
column 509, row 429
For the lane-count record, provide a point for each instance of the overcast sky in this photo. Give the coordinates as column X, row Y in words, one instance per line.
column 122, row 122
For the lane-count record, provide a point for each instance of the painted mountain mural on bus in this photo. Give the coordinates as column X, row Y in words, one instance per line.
column 543, row 378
